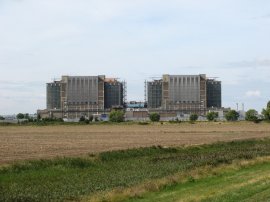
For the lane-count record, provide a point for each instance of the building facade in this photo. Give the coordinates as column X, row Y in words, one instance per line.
column 179, row 93
column 76, row 96
column 154, row 94
column 53, row 95
column 113, row 93
column 213, row 93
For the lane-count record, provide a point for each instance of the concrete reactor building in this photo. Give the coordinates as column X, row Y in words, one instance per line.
column 74, row 96
column 183, row 93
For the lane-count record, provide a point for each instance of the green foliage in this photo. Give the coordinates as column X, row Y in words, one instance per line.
column 82, row 119
column 20, row 116
column 220, row 183
column 154, row 117
column 116, row 116
column 193, row 117
column 143, row 123
column 266, row 112
column 2, row 118
column 252, row 115
column 268, row 105
column 64, row 179
column 232, row 115
column 211, row 116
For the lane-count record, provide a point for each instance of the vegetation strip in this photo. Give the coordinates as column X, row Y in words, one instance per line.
column 75, row 178
column 198, row 184
column 237, row 182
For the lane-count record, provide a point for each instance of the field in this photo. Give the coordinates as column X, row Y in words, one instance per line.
column 231, row 183
column 133, row 174
column 20, row 143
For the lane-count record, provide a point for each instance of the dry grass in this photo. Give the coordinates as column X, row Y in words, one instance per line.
column 35, row 142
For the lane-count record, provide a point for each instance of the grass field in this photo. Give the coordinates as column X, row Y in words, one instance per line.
column 151, row 169
column 20, row 143
column 248, row 183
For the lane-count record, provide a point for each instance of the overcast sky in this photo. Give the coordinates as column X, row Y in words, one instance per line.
column 133, row 40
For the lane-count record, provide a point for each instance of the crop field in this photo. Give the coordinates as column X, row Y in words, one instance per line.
column 20, row 143
column 230, row 171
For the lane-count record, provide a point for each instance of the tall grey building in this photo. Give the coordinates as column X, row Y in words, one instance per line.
column 154, row 94
column 113, row 93
column 213, row 93
column 82, row 92
column 185, row 93
column 53, row 95
column 76, row 96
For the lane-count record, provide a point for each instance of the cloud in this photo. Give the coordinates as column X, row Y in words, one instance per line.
column 253, row 93
column 251, row 63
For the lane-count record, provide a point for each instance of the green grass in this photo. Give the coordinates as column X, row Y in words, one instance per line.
column 73, row 178
column 251, row 183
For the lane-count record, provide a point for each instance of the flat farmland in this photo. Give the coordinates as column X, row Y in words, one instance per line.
column 44, row 142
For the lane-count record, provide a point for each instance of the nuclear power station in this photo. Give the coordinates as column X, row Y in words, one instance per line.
column 172, row 95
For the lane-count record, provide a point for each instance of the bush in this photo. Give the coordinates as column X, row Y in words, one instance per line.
column 193, row 117
column 154, row 117
column 252, row 115
column 20, row 116
column 143, row 123
column 116, row 116
column 211, row 116
column 82, row 119
column 232, row 115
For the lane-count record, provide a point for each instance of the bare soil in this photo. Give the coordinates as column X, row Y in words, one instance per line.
column 43, row 142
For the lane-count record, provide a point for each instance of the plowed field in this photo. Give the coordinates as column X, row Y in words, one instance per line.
column 43, row 142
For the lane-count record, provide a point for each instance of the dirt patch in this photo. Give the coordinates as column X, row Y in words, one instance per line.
column 33, row 142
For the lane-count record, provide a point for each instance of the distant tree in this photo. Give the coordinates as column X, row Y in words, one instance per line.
column 268, row 105
column 211, row 116
column 2, row 118
column 82, row 119
column 232, row 115
column 193, row 117
column 252, row 115
column 116, row 116
column 26, row 116
column 266, row 112
column 20, row 116
column 154, row 117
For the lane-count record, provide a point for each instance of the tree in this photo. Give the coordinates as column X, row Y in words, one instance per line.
column 20, row 116
column 154, row 117
column 266, row 112
column 116, row 116
column 82, row 119
column 211, row 116
column 268, row 105
column 232, row 115
column 193, row 117
column 2, row 118
column 252, row 115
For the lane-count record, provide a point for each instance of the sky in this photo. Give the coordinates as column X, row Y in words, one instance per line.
column 41, row 40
